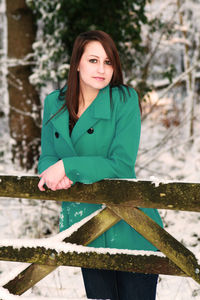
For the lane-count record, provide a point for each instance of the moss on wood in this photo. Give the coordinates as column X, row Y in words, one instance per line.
column 166, row 243
column 83, row 236
column 176, row 195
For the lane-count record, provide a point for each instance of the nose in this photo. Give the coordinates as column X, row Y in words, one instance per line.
column 101, row 67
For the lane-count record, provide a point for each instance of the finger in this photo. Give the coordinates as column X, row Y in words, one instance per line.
column 59, row 186
column 62, row 185
column 67, row 183
column 71, row 182
column 50, row 184
column 52, row 187
column 40, row 184
column 40, row 175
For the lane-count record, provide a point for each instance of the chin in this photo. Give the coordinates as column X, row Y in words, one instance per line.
column 100, row 85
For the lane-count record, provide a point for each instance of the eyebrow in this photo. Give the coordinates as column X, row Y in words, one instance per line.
column 96, row 56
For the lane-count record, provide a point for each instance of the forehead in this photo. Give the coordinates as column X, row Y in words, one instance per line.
column 94, row 48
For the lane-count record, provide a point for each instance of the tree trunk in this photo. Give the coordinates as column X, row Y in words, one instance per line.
column 3, row 85
column 190, row 79
column 24, row 112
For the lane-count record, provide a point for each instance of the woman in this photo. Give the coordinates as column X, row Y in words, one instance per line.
column 91, row 131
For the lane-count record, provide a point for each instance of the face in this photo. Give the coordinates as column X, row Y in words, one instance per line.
column 95, row 69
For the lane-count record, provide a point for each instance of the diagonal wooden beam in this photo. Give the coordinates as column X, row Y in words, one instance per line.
column 163, row 241
column 83, row 236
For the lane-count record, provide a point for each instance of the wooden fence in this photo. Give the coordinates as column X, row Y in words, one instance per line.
column 122, row 199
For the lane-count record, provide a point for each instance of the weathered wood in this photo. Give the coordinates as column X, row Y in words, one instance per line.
column 92, row 259
column 121, row 196
column 166, row 243
column 83, row 236
column 94, row 228
column 176, row 195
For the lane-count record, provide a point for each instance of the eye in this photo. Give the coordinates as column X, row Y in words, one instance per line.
column 93, row 60
column 108, row 62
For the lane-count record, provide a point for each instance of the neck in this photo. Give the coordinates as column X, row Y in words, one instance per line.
column 87, row 95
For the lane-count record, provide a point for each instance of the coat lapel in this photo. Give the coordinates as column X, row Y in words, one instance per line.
column 99, row 109
column 61, row 123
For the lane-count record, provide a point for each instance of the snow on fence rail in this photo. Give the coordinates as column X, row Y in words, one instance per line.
column 118, row 196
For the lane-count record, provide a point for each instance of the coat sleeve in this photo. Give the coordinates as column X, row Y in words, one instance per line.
column 122, row 153
column 48, row 155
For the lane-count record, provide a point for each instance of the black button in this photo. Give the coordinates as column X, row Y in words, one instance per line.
column 56, row 134
column 90, row 130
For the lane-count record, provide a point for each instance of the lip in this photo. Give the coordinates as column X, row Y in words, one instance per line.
column 99, row 78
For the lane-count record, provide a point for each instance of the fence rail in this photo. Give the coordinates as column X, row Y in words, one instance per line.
column 174, row 195
column 119, row 196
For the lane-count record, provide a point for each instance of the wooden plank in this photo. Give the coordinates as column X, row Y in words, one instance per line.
column 83, row 236
column 88, row 258
column 176, row 195
column 119, row 192
column 166, row 243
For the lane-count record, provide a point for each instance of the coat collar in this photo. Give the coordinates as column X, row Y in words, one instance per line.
column 100, row 108
column 101, row 105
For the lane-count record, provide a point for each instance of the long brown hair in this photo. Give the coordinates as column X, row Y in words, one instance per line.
column 73, row 88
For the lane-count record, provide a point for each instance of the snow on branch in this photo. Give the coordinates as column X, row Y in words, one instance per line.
column 174, row 82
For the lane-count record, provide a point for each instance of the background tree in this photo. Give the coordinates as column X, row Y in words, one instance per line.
column 189, row 32
column 61, row 21
column 24, row 105
column 4, row 145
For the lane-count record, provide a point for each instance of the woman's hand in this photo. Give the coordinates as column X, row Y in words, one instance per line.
column 54, row 177
column 64, row 184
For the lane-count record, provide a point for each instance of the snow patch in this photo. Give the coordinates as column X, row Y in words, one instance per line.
column 68, row 247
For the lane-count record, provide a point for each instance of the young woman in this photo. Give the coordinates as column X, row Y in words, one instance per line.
column 91, row 131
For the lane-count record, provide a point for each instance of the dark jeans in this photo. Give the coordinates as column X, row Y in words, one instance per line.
column 117, row 285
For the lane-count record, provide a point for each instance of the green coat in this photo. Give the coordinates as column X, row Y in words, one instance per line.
column 103, row 144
